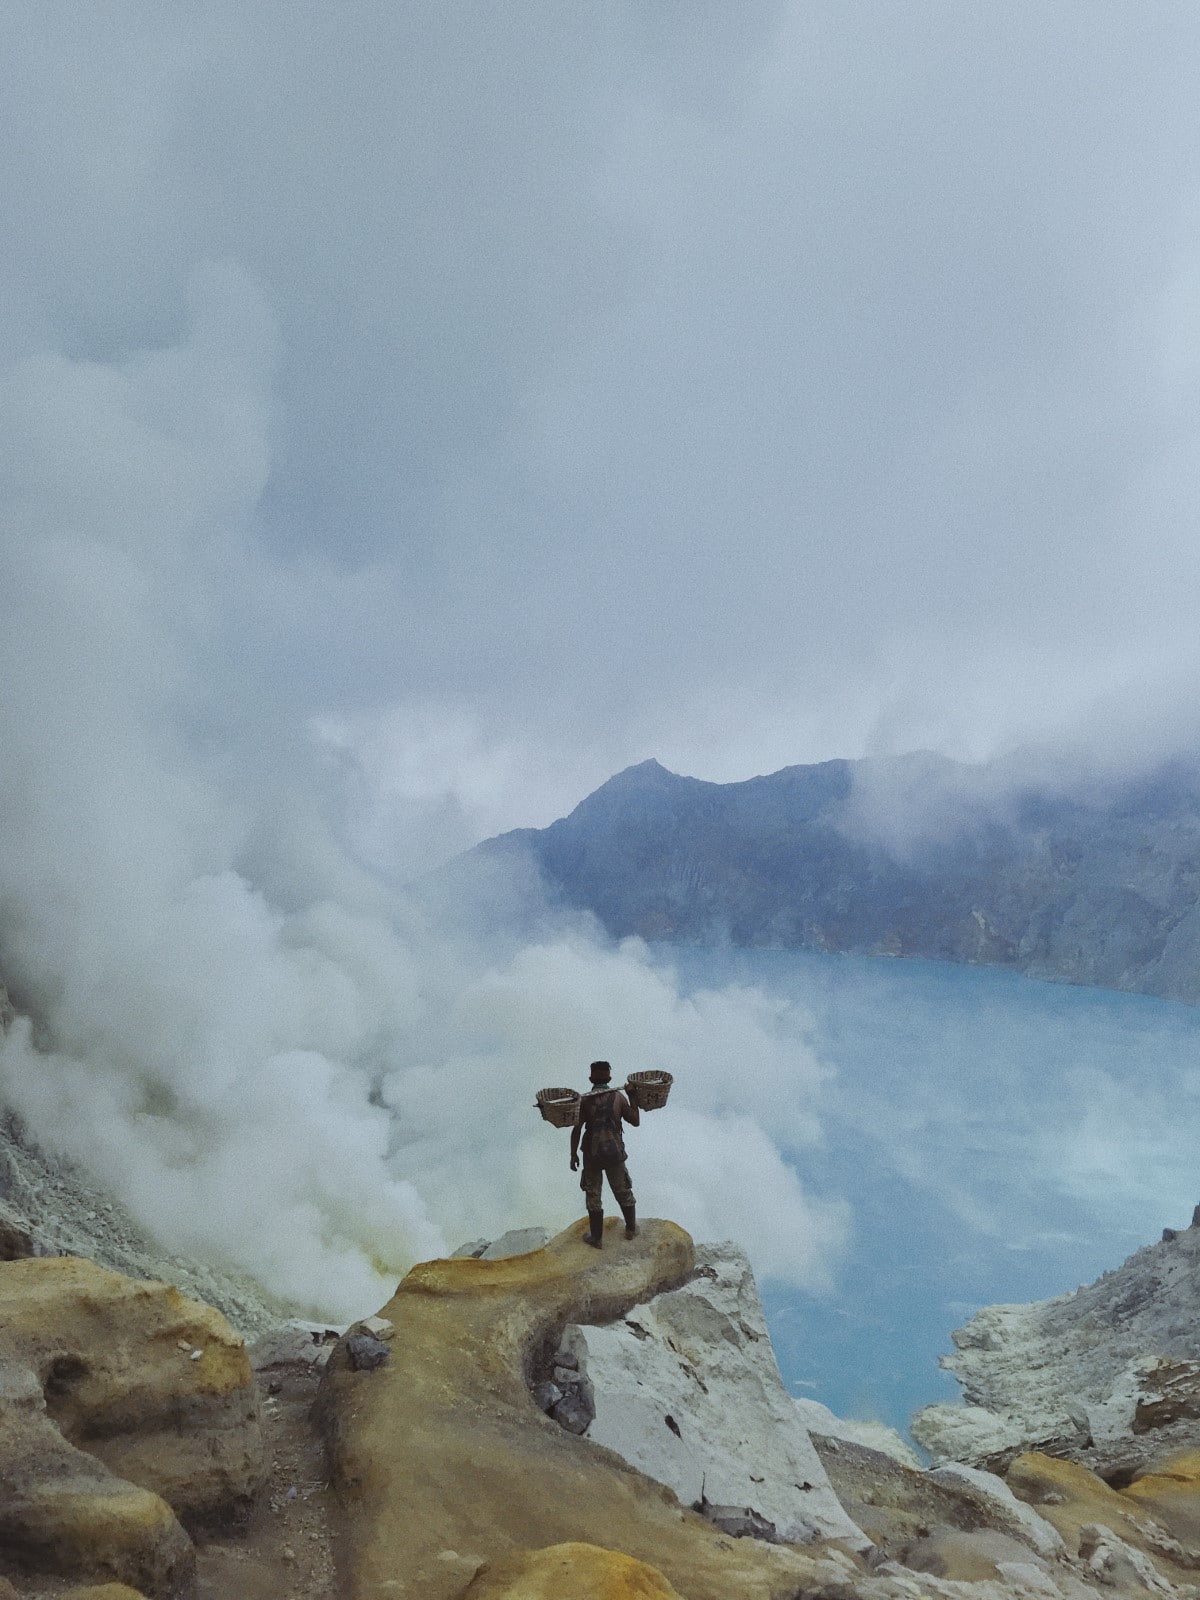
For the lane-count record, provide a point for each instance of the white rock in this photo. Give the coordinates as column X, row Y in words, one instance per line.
column 517, row 1242
column 687, row 1390
column 1109, row 1560
column 1009, row 1513
column 956, row 1432
column 874, row 1435
column 1027, row 1578
column 294, row 1343
column 1034, row 1372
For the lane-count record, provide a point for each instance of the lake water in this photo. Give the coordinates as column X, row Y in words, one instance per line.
column 998, row 1140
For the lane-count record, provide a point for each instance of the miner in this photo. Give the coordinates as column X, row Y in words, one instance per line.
column 601, row 1114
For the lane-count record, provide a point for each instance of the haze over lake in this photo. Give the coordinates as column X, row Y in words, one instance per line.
column 998, row 1139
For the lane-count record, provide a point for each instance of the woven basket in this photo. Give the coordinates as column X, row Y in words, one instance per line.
column 650, row 1089
column 559, row 1106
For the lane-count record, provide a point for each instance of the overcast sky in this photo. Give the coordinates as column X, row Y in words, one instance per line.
column 501, row 393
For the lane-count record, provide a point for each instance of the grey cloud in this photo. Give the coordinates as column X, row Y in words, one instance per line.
column 631, row 363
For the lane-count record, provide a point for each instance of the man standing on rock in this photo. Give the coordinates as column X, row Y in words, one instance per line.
column 600, row 1116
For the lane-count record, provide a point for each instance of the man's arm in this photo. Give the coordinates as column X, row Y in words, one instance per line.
column 576, row 1134
column 631, row 1113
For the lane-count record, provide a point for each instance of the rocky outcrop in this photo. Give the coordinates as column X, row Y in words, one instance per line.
column 443, row 1461
column 455, row 1485
column 62, row 1512
column 125, row 1411
column 1089, row 1514
column 687, row 1389
column 462, row 1473
column 1108, row 1375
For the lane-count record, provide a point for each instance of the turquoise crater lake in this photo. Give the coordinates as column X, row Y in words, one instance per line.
column 998, row 1140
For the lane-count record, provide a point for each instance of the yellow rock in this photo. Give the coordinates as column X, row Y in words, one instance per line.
column 569, row 1572
column 156, row 1386
column 97, row 1526
column 1070, row 1497
column 1171, row 1495
column 442, row 1449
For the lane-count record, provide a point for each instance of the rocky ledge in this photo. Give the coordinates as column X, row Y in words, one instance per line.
column 565, row 1424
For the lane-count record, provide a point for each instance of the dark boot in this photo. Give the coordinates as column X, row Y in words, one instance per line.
column 630, row 1215
column 595, row 1233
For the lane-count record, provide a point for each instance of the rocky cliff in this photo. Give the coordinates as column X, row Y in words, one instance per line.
column 1099, row 887
column 1107, row 1376
column 566, row 1424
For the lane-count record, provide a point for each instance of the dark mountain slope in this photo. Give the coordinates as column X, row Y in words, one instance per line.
column 1100, row 889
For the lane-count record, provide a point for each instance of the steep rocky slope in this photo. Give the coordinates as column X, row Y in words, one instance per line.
column 1108, row 1375
column 1100, row 887
column 686, row 1388
column 50, row 1208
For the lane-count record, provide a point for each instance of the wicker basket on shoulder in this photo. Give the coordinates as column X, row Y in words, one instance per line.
column 559, row 1106
column 650, row 1089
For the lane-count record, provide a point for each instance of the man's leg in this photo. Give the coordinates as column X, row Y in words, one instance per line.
column 622, row 1188
column 593, row 1179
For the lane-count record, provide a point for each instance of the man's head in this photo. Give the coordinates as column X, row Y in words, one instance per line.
column 600, row 1071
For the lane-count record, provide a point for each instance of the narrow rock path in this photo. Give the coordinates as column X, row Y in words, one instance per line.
column 286, row 1554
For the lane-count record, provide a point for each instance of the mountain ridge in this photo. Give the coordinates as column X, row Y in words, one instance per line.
column 915, row 856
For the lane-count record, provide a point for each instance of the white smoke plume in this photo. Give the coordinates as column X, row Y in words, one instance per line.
column 257, row 1042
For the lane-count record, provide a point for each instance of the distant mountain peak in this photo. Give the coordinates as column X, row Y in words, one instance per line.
column 911, row 856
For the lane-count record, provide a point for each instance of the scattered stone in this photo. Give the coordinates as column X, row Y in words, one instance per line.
column 1170, row 1393
column 547, row 1395
column 366, row 1352
column 295, row 1343
column 1169, row 1234
column 471, row 1251
column 378, row 1327
column 739, row 1522
column 574, row 1410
